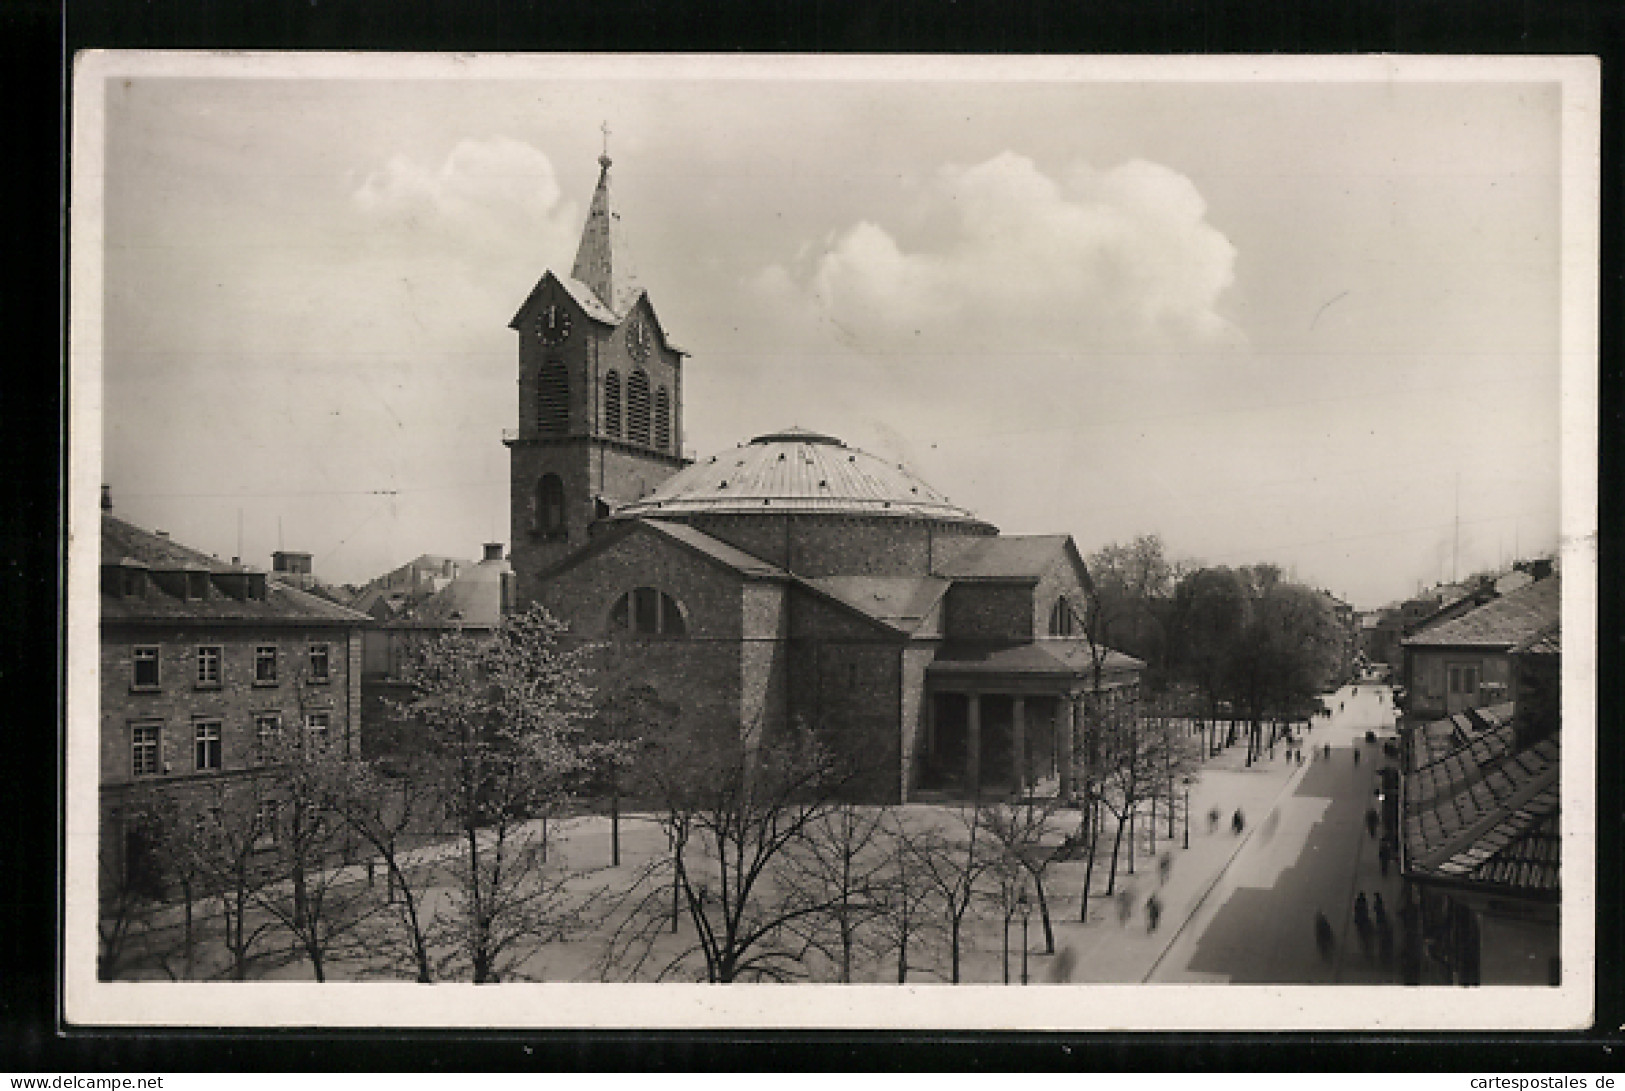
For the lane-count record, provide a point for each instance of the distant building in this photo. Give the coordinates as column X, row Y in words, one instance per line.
column 1480, row 844
column 199, row 660
column 1464, row 661
column 793, row 578
column 473, row 601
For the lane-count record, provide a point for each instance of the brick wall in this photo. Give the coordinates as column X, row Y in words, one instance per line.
column 179, row 703
column 836, row 545
column 989, row 611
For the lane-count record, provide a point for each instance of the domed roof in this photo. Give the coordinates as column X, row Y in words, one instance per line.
column 795, row 470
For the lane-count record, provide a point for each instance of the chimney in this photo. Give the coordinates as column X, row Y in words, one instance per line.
column 162, row 533
column 493, row 551
column 107, row 498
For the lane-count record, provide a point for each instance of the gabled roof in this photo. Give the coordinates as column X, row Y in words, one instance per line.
column 1549, row 641
column 900, row 601
column 1499, row 623
column 1006, row 557
column 472, row 599
column 1486, row 812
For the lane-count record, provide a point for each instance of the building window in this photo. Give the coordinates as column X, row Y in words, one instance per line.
column 320, row 663
column 1060, row 618
column 207, row 745
column 267, row 821
column 637, row 407
column 648, row 612
column 267, row 731
column 550, row 506
column 208, row 666
column 145, row 672
column 144, row 749
column 612, row 404
column 265, row 665
column 553, row 398
column 662, row 419
column 317, row 725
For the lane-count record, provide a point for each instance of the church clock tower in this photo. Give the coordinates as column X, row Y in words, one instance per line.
column 600, row 399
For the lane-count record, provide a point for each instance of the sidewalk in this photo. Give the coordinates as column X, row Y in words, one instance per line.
column 1105, row 950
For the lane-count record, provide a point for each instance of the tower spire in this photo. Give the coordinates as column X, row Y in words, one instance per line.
column 602, row 263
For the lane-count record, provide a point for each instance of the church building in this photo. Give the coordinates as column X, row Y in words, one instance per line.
column 792, row 578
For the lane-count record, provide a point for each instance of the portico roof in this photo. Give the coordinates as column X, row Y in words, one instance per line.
column 1052, row 658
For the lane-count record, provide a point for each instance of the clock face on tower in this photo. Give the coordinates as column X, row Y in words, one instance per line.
column 553, row 324
column 638, row 340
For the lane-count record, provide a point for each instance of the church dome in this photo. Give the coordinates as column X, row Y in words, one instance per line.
column 796, row 471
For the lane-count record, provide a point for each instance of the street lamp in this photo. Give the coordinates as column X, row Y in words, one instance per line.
column 1187, row 782
column 1026, row 910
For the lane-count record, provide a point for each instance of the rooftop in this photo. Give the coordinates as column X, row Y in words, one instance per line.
column 1499, row 623
column 797, row 471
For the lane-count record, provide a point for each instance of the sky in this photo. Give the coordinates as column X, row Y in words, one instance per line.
column 1313, row 324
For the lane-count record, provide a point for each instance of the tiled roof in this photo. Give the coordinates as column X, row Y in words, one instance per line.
column 1486, row 812
column 714, row 548
column 1549, row 641
column 801, row 472
column 1058, row 658
column 1499, row 623
column 125, row 543
column 1023, row 556
column 903, row 601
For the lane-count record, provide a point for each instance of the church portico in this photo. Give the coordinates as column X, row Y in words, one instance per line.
column 1010, row 736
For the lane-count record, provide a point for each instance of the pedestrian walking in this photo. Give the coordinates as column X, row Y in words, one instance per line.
column 1060, row 971
column 1237, row 822
column 1153, row 913
column 1356, row 755
column 1323, row 935
column 1371, row 822
column 1125, row 906
column 1327, row 753
column 1165, row 864
column 1377, row 910
column 1300, row 756
column 1213, row 820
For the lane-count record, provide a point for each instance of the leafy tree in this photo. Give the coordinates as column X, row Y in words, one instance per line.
column 1132, row 597
column 505, row 717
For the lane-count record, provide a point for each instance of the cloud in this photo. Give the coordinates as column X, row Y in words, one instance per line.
column 1000, row 256
column 484, row 195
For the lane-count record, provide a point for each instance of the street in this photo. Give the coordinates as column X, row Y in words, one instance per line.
column 1311, row 853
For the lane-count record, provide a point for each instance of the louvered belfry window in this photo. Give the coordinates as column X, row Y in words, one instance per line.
column 612, row 404
column 553, row 398
column 662, row 419
column 637, row 407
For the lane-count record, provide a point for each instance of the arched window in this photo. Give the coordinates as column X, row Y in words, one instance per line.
column 550, row 506
column 662, row 419
column 645, row 611
column 1060, row 618
column 612, row 404
column 553, row 398
column 637, row 407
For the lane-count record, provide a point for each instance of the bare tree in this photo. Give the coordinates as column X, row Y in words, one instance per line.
column 233, row 838
column 732, row 810
column 839, row 866
column 953, row 865
column 1028, row 832
column 908, row 920
column 383, row 810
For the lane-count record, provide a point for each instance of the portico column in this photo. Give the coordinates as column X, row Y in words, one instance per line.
column 973, row 740
column 1065, row 725
column 1018, row 741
